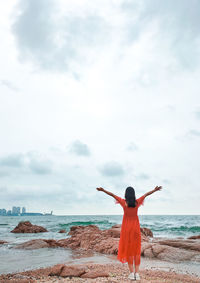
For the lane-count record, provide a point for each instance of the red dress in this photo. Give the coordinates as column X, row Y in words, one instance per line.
column 130, row 237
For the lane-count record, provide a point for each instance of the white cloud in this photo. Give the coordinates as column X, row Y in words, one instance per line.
column 79, row 148
column 112, row 169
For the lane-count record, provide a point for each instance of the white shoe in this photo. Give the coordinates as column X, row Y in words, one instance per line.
column 131, row 276
column 137, row 276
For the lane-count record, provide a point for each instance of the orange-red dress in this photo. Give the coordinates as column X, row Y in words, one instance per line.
column 130, row 237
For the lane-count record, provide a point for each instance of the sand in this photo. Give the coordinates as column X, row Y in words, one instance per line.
column 117, row 273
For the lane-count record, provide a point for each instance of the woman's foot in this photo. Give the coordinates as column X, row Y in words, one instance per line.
column 131, row 276
column 137, row 276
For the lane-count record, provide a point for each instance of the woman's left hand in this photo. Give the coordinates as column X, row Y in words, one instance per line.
column 158, row 188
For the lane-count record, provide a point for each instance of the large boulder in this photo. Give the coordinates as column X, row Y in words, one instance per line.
column 92, row 238
column 33, row 244
column 171, row 250
column 188, row 244
column 67, row 270
column 27, row 227
column 56, row 270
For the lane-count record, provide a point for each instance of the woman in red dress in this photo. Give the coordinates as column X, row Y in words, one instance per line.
column 130, row 237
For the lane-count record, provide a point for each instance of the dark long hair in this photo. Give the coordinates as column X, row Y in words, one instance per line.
column 130, row 197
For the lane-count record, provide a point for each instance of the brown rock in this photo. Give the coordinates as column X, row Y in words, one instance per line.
column 117, row 226
column 33, row 244
column 3, row 242
column 92, row 238
column 145, row 246
column 95, row 274
column 164, row 252
column 27, row 227
column 183, row 244
column 39, row 244
column 51, row 243
column 194, row 237
column 113, row 232
column 62, row 231
column 56, row 270
column 146, row 232
column 63, row 243
column 72, row 271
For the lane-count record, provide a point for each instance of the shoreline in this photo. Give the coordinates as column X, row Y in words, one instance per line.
column 81, row 257
column 115, row 272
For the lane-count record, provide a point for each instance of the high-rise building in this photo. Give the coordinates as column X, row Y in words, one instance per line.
column 18, row 210
column 14, row 210
column 3, row 212
column 23, row 209
column 9, row 212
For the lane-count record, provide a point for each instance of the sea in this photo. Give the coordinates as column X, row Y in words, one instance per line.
column 13, row 260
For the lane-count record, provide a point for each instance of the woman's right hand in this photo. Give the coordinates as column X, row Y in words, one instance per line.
column 100, row 189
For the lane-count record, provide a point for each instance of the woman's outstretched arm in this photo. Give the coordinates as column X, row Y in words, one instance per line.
column 157, row 188
column 106, row 192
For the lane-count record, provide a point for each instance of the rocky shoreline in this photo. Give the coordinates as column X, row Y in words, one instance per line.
column 109, row 273
column 91, row 238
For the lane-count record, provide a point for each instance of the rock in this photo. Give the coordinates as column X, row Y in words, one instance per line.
column 183, row 244
column 63, row 243
column 113, row 232
column 3, row 242
column 38, row 244
column 62, row 231
column 85, row 237
column 33, row 244
column 92, row 238
column 56, row 270
column 51, row 243
column 146, row 232
column 194, row 237
column 117, row 226
column 27, row 227
column 72, row 271
column 170, row 253
column 95, row 274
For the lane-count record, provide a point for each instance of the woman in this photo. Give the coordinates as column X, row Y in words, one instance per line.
column 130, row 237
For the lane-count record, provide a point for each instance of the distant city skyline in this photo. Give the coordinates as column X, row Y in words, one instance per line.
column 16, row 211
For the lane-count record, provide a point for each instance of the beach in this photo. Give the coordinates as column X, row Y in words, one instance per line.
column 91, row 245
column 116, row 273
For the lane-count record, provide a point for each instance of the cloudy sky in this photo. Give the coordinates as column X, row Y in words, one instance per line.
column 99, row 93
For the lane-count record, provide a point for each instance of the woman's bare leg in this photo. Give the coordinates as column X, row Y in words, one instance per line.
column 137, row 268
column 130, row 265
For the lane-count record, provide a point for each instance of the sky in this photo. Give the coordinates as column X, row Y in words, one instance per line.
column 99, row 93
